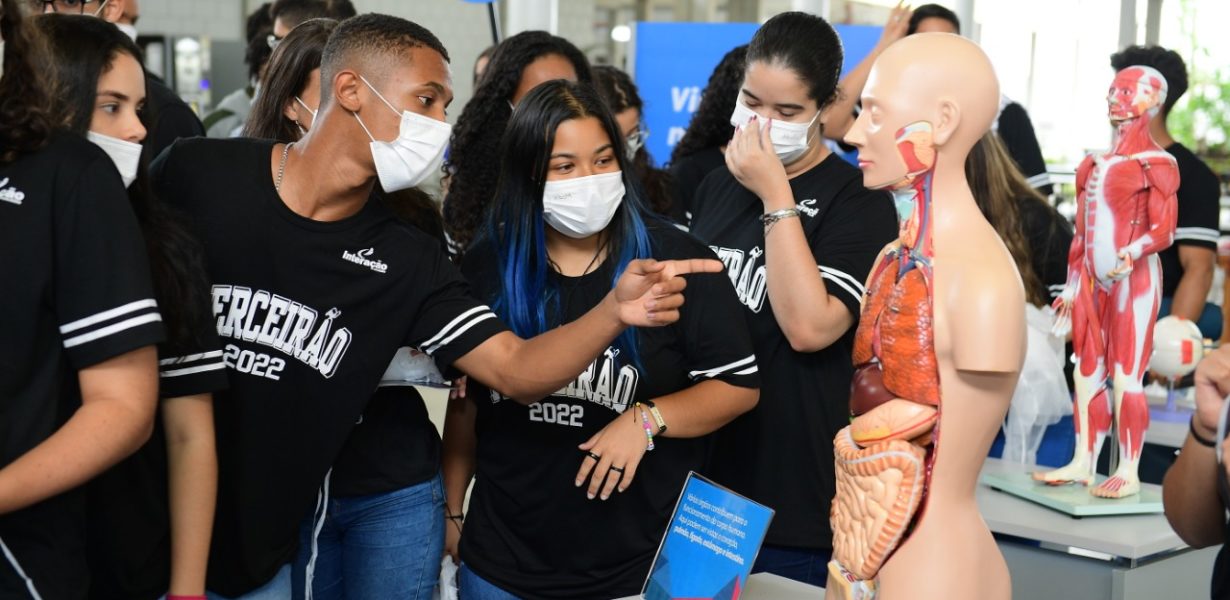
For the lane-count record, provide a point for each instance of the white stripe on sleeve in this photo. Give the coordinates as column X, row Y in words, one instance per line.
column 179, row 360
column 858, row 285
column 451, row 324
column 461, row 330
column 131, row 307
column 215, row 366
column 844, row 285
column 111, row 329
column 743, row 362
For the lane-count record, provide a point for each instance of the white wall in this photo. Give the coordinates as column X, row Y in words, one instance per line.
column 219, row 19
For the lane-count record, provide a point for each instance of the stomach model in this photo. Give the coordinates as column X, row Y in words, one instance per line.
column 884, row 457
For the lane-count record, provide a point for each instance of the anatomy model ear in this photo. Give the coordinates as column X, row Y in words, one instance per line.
column 948, row 119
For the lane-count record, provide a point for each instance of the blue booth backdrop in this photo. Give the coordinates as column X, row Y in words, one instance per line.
column 673, row 62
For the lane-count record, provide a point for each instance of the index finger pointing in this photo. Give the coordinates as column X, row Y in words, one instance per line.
column 695, row 265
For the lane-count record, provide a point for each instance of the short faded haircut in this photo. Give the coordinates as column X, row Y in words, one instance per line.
column 372, row 43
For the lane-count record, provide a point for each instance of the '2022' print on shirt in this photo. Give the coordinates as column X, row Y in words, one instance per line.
column 289, row 327
column 604, row 382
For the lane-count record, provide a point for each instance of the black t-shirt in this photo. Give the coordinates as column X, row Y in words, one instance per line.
column 1220, row 588
column 1199, row 210
column 166, row 119
column 781, row 453
column 1050, row 239
column 310, row 313
column 394, row 445
column 687, row 174
column 1017, row 132
column 128, row 511
column 529, row 530
column 76, row 292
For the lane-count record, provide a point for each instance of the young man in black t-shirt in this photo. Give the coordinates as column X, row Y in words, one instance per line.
column 315, row 287
column 1187, row 265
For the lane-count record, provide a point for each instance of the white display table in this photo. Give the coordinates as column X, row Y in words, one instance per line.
column 1052, row 555
column 766, row 586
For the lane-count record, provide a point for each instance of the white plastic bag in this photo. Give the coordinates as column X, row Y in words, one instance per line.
column 446, row 589
column 1041, row 397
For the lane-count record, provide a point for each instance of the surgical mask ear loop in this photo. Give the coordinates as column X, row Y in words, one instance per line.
column 369, row 134
column 378, row 95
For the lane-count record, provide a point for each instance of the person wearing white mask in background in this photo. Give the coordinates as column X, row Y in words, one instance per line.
column 799, row 233
column 149, row 518
column 166, row 117
column 621, row 95
column 315, row 287
column 608, row 452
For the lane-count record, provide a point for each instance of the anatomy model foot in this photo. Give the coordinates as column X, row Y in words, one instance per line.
column 1118, row 486
column 1075, row 472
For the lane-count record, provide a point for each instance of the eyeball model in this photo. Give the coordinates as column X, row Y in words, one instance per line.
column 1177, row 347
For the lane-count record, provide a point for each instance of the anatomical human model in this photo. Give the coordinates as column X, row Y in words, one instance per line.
column 1125, row 214
column 940, row 342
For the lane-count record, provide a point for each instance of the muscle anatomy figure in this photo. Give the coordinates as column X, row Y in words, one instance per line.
column 883, row 457
column 1126, row 212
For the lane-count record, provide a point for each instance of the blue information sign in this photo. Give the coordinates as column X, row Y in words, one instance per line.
column 709, row 545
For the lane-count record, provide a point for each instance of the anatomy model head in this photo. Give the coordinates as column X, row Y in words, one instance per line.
column 928, row 99
column 1136, row 91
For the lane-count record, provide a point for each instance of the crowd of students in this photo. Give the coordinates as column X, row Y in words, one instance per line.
column 201, row 381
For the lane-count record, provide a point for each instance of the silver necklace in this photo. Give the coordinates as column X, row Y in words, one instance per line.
column 277, row 186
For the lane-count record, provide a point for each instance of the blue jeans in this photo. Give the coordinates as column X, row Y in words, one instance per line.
column 378, row 546
column 278, row 588
column 472, row 587
column 809, row 565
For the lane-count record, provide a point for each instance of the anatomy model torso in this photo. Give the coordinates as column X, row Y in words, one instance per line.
column 1126, row 213
column 883, row 458
column 939, row 345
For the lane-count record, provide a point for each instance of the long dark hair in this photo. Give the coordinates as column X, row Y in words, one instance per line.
column 620, row 93
column 527, row 300
column 84, row 48
column 286, row 76
column 710, row 125
column 26, row 117
column 475, row 145
column 805, row 44
column 998, row 188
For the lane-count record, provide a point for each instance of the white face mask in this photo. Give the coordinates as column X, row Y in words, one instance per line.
column 635, row 142
column 129, row 30
column 789, row 139
column 418, row 150
column 126, row 155
column 582, row 206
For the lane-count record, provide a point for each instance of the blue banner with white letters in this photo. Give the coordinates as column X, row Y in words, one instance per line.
column 674, row 61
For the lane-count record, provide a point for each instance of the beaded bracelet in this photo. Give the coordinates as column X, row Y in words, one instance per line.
column 645, row 423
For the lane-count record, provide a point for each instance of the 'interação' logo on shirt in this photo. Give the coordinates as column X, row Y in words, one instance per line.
column 363, row 257
column 11, row 194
